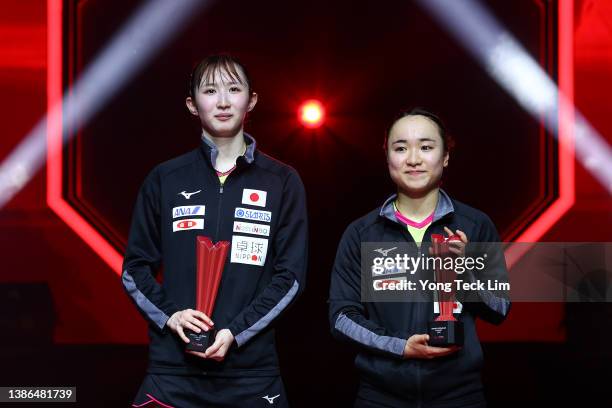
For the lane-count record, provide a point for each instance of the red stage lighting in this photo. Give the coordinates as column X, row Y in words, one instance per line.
column 311, row 114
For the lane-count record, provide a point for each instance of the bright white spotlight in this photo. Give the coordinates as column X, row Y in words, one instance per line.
column 147, row 31
column 517, row 72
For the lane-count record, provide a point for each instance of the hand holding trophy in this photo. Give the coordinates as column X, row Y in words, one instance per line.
column 445, row 330
column 210, row 260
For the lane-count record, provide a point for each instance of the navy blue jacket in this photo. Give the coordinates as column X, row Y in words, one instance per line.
column 261, row 210
column 380, row 329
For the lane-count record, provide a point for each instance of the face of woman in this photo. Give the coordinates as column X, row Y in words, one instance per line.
column 223, row 104
column 415, row 155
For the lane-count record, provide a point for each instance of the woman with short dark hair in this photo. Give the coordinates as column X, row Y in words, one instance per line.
column 397, row 364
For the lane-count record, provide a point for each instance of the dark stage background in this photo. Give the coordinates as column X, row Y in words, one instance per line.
column 64, row 317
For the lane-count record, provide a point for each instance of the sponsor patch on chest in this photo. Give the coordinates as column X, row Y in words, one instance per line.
column 188, row 210
column 249, row 250
column 188, row 195
column 254, row 197
column 188, row 224
column 253, row 215
column 250, row 228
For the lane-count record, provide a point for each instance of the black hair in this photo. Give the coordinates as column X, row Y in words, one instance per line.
column 212, row 64
column 447, row 141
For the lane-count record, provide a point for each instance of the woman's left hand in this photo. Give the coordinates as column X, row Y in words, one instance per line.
column 457, row 247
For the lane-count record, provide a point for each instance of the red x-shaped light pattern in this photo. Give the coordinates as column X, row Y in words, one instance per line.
column 315, row 116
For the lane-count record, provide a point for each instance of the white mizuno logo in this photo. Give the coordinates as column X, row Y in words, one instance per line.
column 188, row 195
column 271, row 399
column 384, row 252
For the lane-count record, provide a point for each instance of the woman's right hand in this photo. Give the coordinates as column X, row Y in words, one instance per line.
column 417, row 347
column 193, row 320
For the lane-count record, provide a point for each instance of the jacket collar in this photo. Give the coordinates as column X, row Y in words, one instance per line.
column 211, row 152
column 444, row 207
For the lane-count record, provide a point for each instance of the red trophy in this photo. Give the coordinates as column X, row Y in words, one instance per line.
column 210, row 260
column 445, row 330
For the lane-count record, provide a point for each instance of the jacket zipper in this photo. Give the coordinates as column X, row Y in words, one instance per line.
column 219, row 207
column 410, row 239
column 419, row 311
column 419, row 308
column 221, row 188
column 419, row 397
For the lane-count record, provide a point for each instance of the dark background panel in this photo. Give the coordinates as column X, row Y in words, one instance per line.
column 364, row 60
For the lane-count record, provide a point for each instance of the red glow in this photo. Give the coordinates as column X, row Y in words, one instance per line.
column 567, row 193
column 55, row 200
column 514, row 328
column 311, row 114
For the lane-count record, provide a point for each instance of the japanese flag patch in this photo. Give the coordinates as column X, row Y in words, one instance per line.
column 254, row 197
column 249, row 250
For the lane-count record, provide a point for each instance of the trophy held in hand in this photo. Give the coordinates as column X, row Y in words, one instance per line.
column 445, row 330
column 210, row 260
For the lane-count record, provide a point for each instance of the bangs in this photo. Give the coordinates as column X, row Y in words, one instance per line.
column 212, row 71
column 214, row 68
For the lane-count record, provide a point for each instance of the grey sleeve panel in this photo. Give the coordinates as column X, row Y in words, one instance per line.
column 498, row 304
column 368, row 338
column 246, row 335
column 152, row 311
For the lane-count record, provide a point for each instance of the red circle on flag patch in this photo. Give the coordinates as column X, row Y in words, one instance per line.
column 254, row 257
column 254, row 197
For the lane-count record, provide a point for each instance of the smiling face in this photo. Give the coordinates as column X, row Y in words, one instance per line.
column 415, row 155
column 222, row 101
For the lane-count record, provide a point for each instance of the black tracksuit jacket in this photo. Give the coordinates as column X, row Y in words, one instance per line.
column 380, row 329
column 261, row 204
